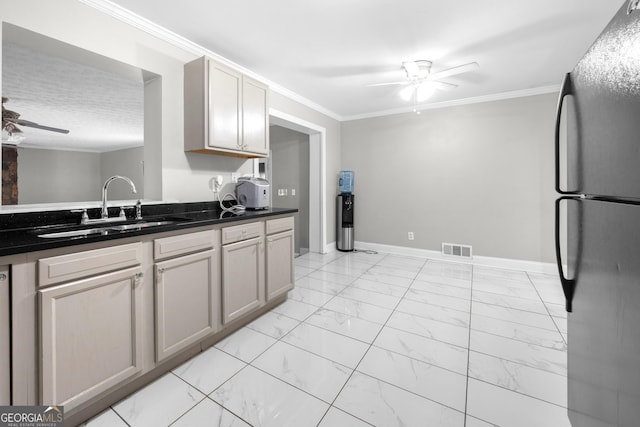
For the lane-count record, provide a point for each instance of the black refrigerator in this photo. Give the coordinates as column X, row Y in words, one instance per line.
column 599, row 163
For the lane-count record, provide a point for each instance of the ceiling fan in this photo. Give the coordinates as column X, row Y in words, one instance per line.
column 421, row 82
column 11, row 120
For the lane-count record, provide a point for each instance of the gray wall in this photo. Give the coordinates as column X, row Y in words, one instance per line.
column 479, row 174
column 290, row 170
column 128, row 162
column 50, row 176
column 53, row 176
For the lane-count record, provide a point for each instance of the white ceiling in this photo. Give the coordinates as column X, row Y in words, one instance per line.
column 329, row 51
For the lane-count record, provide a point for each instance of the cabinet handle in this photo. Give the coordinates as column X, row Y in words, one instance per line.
column 160, row 270
column 137, row 278
column 3, row 277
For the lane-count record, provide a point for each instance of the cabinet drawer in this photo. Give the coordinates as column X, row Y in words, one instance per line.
column 168, row 247
column 65, row 268
column 241, row 232
column 280, row 224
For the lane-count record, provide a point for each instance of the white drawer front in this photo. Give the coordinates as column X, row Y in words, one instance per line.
column 238, row 233
column 168, row 247
column 88, row 263
column 280, row 224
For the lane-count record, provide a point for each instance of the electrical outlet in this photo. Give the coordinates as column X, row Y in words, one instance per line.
column 293, row 191
column 234, row 177
column 410, row 235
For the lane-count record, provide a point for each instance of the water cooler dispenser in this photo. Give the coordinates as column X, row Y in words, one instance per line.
column 345, row 213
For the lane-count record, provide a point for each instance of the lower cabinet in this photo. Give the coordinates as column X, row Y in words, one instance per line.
column 90, row 336
column 186, row 301
column 280, row 272
column 243, row 278
column 99, row 318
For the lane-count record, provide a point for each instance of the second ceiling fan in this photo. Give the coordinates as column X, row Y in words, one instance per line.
column 11, row 120
column 421, row 82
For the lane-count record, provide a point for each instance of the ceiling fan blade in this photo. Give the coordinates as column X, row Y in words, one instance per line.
column 388, row 84
column 454, row 71
column 443, row 85
column 37, row 126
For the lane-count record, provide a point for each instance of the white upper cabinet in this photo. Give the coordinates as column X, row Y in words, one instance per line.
column 225, row 108
column 225, row 112
column 255, row 116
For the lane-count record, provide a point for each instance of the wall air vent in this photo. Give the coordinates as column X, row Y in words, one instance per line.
column 455, row 250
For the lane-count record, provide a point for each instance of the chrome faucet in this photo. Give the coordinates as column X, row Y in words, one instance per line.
column 105, row 211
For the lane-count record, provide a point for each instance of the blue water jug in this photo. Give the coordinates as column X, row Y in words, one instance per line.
column 346, row 182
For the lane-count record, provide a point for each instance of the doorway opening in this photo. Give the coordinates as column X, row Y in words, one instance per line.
column 288, row 175
column 316, row 204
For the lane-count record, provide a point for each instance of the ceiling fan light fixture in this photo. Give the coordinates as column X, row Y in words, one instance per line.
column 417, row 70
column 424, row 91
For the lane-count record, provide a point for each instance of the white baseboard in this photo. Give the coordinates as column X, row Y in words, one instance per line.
column 330, row 247
column 510, row 264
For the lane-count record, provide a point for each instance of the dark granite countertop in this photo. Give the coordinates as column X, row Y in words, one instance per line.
column 19, row 231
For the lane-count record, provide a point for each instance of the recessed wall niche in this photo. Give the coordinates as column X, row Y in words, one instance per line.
column 101, row 101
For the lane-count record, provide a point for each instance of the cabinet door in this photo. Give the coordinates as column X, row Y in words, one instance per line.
column 90, row 336
column 225, row 120
column 242, row 278
column 280, row 273
column 187, row 298
column 255, row 116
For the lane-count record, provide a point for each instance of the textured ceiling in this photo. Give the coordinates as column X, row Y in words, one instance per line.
column 329, row 51
column 64, row 88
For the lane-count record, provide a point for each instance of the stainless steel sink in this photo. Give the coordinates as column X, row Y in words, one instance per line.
column 140, row 225
column 111, row 229
column 75, row 233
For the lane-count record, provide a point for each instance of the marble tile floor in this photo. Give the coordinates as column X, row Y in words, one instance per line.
column 382, row 340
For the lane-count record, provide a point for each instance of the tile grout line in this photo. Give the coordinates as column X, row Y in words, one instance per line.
column 331, row 405
column 466, row 392
column 468, row 349
column 409, row 357
column 280, row 340
column 547, row 309
column 365, row 354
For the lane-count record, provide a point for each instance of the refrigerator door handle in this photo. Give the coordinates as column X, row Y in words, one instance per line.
column 564, row 91
column 568, row 285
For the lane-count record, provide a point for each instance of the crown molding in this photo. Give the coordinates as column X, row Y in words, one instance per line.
column 458, row 102
column 124, row 15
column 120, row 13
